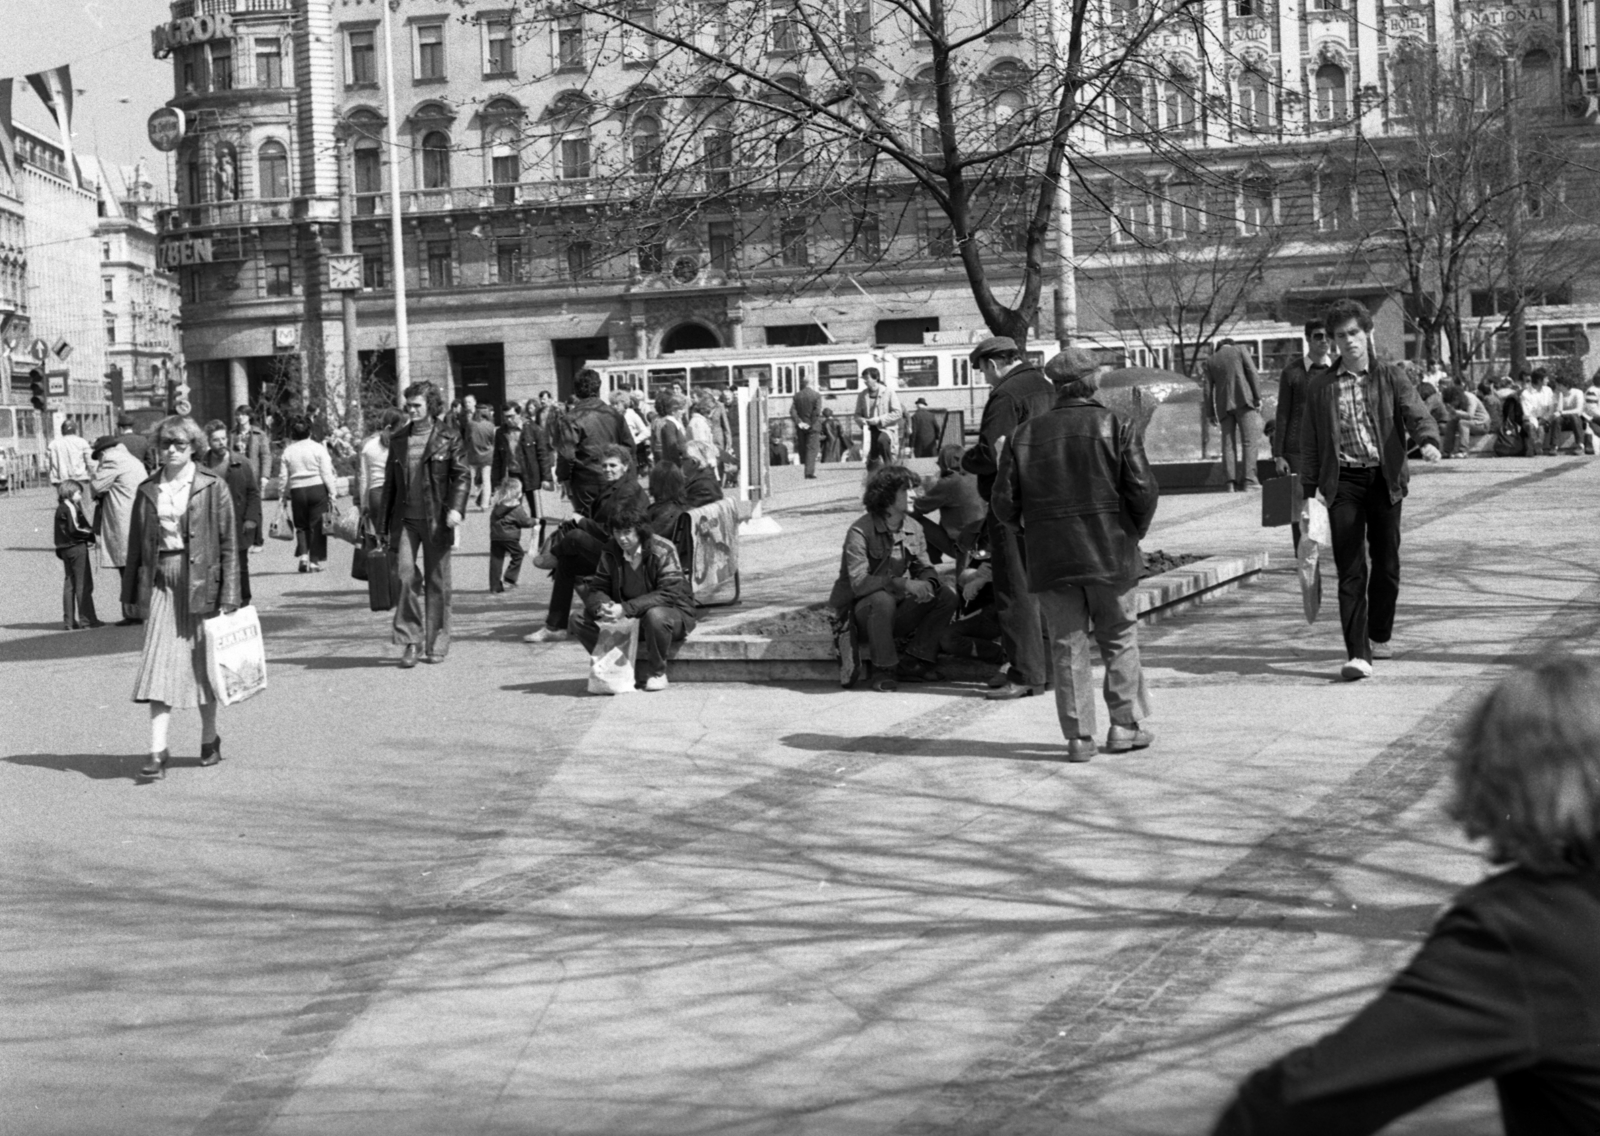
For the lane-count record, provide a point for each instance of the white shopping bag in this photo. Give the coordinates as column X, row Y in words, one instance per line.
column 611, row 665
column 236, row 655
column 1318, row 535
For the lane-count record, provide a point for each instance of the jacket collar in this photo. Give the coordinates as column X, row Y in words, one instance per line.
column 203, row 477
column 1079, row 400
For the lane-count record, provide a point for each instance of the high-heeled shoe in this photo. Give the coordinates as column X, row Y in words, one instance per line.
column 211, row 752
column 156, row 768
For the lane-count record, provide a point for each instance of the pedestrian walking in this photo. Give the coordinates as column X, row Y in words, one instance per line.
column 136, row 443
column 74, row 539
column 68, row 455
column 668, row 433
column 1018, row 391
column 1507, row 984
column 878, row 411
column 183, row 567
column 1359, row 417
column 425, row 489
column 580, row 434
column 1290, row 418
column 372, row 464
column 508, row 517
column 117, row 477
column 305, row 474
column 1076, row 480
column 245, row 492
column 805, row 411
column 252, row 443
column 1233, row 400
column 887, row 586
column 480, row 439
column 925, row 430
column 833, row 439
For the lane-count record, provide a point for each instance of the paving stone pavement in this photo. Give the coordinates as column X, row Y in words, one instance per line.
column 472, row 899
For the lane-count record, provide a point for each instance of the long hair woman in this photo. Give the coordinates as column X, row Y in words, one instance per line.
column 183, row 566
column 1507, row 985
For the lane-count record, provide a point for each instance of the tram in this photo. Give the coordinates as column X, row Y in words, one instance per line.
column 22, row 446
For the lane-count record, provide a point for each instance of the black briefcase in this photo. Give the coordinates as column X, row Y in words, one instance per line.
column 383, row 578
column 1281, row 501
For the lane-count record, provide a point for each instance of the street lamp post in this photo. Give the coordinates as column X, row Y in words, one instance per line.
column 402, row 334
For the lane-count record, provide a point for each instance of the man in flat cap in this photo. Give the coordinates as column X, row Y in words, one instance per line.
column 1076, row 480
column 1018, row 391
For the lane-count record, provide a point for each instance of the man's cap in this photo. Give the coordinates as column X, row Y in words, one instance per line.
column 102, row 443
column 994, row 345
column 124, row 420
column 1070, row 365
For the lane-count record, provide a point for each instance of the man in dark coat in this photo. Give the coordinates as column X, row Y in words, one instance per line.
column 135, row 443
column 1292, row 386
column 806, row 414
column 1018, row 390
column 425, row 491
column 252, row 444
column 1353, row 456
column 1076, row 480
column 591, row 425
column 1233, row 400
column 240, row 478
column 480, row 438
column 924, row 431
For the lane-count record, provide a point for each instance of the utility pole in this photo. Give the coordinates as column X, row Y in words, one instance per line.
column 1519, row 307
column 402, row 334
column 1066, row 274
column 347, row 298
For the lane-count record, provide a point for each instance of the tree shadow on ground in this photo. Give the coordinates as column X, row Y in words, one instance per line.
column 930, row 747
column 107, row 640
column 337, row 662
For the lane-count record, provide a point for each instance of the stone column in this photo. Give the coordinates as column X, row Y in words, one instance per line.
column 238, row 385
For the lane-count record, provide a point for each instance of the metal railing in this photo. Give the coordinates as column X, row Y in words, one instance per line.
column 182, row 9
column 217, row 214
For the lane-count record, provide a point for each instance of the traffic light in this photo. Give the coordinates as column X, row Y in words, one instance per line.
column 36, row 388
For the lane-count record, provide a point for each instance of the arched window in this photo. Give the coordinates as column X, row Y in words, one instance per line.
column 1255, row 102
column 646, row 144
column 435, row 160
column 1538, row 81
column 225, row 172
column 272, row 170
column 1333, row 103
column 1258, row 193
column 928, row 127
column 1007, row 108
column 505, row 164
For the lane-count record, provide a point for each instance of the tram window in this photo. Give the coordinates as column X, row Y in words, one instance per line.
column 919, row 371
column 963, row 372
column 27, row 426
column 666, row 376
column 8, row 428
column 761, row 376
column 708, row 376
column 785, row 379
column 840, row 374
column 1278, row 354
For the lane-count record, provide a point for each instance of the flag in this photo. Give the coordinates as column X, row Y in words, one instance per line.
column 8, row 142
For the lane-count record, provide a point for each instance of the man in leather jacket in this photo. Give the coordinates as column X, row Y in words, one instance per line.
column 425, row 492
column 1077, row 481
column 1017, row 391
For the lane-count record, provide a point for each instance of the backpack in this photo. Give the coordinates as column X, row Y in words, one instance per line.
column 563, row 434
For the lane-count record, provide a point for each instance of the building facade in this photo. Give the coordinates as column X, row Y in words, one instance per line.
column 139, row 299
column 569, row 189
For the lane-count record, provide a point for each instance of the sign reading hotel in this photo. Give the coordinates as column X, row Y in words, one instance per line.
column 190, row 29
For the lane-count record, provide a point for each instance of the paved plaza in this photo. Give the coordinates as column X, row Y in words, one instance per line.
column 472, row 899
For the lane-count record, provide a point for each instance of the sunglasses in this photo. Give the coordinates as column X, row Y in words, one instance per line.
column 174, row 443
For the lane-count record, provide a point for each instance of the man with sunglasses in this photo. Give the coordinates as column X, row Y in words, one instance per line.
column 1292, row 386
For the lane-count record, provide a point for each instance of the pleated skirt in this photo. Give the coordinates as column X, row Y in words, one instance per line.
column 172, row 668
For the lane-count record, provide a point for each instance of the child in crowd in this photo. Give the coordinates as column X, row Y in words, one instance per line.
column 74, row 539
column 507, row 519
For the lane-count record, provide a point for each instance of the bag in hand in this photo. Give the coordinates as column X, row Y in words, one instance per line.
column 236, row 656
column 344, row 523
column 282, row 527
column 611, row 664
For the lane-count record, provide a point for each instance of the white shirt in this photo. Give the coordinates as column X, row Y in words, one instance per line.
column 374, row 463
column 69, row 459
column 636, row 425
column 172, row 502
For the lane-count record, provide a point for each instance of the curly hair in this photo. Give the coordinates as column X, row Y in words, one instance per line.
column 180, row 426
column 587, row 383
column 433, row 394
column 884, row 486
column 625, row 510
column 1341, row 312
column 621, row 453
column 1527, row 768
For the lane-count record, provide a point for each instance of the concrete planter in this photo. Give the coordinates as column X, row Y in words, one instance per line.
column 716, row 652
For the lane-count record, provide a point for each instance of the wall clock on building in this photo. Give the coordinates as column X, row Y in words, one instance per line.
column 685, row 268
column 344, row 272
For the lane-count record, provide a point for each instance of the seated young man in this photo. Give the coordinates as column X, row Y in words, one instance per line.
column 579, row 541
column 638, row 577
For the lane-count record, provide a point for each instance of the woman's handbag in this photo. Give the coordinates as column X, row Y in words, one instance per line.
column 236, row 656
column 282, row 527
column 345, row 523
column 615, row 651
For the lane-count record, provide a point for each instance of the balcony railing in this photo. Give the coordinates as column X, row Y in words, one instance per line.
column 182, row 9
column 217, row 214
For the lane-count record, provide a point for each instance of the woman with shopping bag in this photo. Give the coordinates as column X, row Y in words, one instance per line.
column 638, row 578
column 183, row 566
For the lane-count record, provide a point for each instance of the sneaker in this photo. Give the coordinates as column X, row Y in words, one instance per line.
column 655, row 682
column 547, row 635
column 1355, row 669
column 1121, row 739
column 1381, row 650
column 1081, row 749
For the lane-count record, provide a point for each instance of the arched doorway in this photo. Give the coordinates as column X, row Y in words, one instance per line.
column 689, row 337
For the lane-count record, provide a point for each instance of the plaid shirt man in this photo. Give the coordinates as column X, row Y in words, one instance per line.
column 1358, row 432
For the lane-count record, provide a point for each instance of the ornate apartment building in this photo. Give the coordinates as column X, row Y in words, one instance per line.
column 139, row 299
column 570, row 190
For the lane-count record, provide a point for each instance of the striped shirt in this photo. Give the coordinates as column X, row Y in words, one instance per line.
column 1358, row 432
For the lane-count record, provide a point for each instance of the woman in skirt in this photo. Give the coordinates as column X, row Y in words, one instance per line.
column 182, row 567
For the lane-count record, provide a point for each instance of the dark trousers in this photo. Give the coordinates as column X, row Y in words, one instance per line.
column 1241, row 443
column 422, row 615
column 659, row 629
column 244, row 567
column 810, row 446
column 1021, row 626
column 920, row 624
column 880, row 448
column 308, row 506
column 577, row 554
column 1362, row 516
column 499, row 552
column 584, row 488
column 77, row 589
